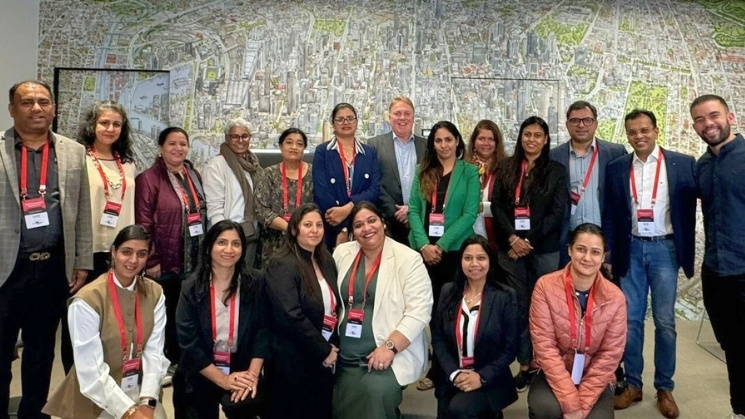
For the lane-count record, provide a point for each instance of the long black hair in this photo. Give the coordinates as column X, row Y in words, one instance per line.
column 242, row 272
column 87, row 129
column 511, row 171
column 292, row 247
column 451, row 302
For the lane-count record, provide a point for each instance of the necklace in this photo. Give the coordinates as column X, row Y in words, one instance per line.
column 469, row 300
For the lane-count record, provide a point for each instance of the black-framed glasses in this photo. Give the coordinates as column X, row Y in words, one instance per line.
column 575, row 121
column 343, row 120
column 236, row 137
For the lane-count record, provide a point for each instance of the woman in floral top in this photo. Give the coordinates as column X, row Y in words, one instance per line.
column 279, row 192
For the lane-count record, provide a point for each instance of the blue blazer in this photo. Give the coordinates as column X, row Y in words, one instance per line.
column 607, row 152
column 329, row 186
column 618, row 209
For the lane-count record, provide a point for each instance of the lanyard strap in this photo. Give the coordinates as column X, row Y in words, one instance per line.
column 44, row 170
column 285, row 188
column 332, row 297
column 213, row 313
column 444, row 201
column 370, row 274
column 184, row 196
column 120, row 322
column 572, row 314
column 632, row 180
column 459, row 332
column 519, row 188
column 588, row 175
column 94, row 156
column 344, row 166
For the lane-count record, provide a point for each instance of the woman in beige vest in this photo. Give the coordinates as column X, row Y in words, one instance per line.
column 116, row 325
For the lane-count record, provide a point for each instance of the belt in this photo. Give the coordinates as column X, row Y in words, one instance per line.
column 36, row 256
column 653, row 238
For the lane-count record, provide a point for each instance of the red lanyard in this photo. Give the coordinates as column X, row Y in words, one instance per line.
column 632, row 180
column 94, row 156
column 285, row 188
column 184, row 197
column 344, row 166
column 458, row 327
column 487, row 181
column 588, row 175
column 370, row 274
column 519, row 189
column 213, row 313
column 572, row 315
column 434, row 196
column 44, row 170
column 120, row 322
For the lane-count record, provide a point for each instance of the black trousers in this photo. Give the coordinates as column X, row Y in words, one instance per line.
column 543, row 404
column 724, row 299
column 199, row 398
column 31, row 301
column 471, row 405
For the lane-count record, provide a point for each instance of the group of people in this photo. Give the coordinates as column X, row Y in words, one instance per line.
column 304, row 290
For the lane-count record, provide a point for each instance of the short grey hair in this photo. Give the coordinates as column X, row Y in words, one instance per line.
column 237, row 122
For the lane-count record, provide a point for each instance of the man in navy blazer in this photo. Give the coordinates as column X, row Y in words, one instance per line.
column 650, row 219
column 585, row 158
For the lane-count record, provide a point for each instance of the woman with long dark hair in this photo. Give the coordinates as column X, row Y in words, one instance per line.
column 475, row 338
column 222, row 329
column 301, row 283
column 528, row 204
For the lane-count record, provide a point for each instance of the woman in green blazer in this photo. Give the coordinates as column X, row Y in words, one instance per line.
column 443, row 206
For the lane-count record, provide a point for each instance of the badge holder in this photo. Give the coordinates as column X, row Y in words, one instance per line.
column 522, row 218
column 436, row 224
column 222, row 361
column 467, row 362
column 574, row 197
column 578, row 368
column 131, row 373
column 645, row 222
column 354, row 322
column 194, row 220
column 35, row 212
column 329, row 323
column 111, row 212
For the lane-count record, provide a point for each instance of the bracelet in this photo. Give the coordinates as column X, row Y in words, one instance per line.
column 422, row 248
column 514, row 241
column 131, row 411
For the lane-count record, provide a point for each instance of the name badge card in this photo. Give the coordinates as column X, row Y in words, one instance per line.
column 195, row 224
column 354, row 323
column 467, row 362
column 110, row 215
column 436, row 225
column 286, row 217
column 222, row 361
column 522, row 218
column 35, row 212
column 645, row 222
column 131, row 374
column 329, row 323
column 574, row 197
column 578, row 368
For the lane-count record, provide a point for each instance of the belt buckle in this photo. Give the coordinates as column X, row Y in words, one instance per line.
column 39, row 256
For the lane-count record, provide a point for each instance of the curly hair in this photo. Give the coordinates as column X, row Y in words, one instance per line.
column 87, row 129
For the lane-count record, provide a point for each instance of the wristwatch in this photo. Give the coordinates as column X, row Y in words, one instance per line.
column 149, row 402
column 391, row 345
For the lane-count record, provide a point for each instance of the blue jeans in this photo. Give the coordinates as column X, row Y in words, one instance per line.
column 653, row 268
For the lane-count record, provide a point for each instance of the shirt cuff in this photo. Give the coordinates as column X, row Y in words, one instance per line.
column 453, row 375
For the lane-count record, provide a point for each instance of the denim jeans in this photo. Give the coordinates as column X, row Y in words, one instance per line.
column 653, row 268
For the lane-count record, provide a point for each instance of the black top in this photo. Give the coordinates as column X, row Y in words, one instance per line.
column 442, row 190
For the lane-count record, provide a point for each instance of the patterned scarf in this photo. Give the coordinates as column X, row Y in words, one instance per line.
column 238, row 165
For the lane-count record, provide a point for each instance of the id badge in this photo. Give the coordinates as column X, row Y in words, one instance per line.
column 110, row 215
column 194, row 220
column 35, row 212
column 329, row 323
column 467, row 362
column 286, row 217
column 222, row 361
column 522, row 218
column 645, row 222
column 131, row 374
column 436, row 225
column 574, row 197
column 578, row 367
column 354, row 323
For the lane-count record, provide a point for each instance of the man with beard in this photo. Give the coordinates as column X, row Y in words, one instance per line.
column 719, row 173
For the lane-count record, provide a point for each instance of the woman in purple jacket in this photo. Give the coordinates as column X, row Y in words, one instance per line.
column 169, row 201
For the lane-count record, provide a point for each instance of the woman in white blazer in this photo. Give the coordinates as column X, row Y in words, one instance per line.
column 382, row 344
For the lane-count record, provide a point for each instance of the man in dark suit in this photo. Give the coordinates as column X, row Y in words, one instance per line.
column 45, row 217
column 399, row 152
column 585, row 158
column 650, row 219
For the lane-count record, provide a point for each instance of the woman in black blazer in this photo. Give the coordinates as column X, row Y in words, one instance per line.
column 528, row 203
column 219, row 366
column 475, row 338
column 301, row 284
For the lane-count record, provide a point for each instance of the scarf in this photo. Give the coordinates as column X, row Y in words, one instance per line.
column 238, row 166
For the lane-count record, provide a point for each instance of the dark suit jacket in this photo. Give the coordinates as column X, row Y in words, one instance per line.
column 329, row 186
column 547, row 209
column 607, row 152
column 194, row 326
column 618, row 209
column 495, row 349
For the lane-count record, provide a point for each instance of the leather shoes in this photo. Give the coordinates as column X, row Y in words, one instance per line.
column 666, row 404
column 630, row 395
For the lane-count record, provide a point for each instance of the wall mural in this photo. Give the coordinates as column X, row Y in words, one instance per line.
column 287, row 63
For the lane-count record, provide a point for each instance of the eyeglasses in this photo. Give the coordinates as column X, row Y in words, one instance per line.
column 236, row 137
column 347, row 120
column 575, row 121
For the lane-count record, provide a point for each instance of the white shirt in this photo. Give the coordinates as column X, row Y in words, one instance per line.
column 223, row 193
column 93, row 373
column 644, row 174
column 469, row 338
column 326, row 294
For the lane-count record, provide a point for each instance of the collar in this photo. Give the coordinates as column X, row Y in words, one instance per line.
column 18, row 142
column 334, row 145
column 131, row 287
column 655, row 155
column 410, row 140
column 590, row 150
column 735, row 143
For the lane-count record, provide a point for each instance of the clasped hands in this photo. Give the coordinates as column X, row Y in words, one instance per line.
column 431, row 253
column 241, row 384
column 467, row 380
column 380, row 359
column 519, row 247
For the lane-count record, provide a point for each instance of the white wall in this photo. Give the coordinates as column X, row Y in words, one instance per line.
column 19, row 47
